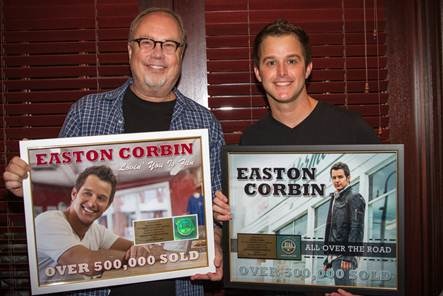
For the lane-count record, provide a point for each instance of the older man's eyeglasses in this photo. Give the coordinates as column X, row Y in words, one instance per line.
column 168, row 46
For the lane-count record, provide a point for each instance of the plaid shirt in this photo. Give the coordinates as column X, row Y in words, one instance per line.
column 102, row 114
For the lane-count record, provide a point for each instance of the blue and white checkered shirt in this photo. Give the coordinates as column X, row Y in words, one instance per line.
column 102, row 114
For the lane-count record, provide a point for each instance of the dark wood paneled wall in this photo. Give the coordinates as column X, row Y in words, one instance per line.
column 414, row 61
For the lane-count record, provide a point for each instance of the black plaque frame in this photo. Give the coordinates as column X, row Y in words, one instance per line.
column 252, row 207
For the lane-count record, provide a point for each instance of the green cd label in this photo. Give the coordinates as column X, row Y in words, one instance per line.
column 185, row 227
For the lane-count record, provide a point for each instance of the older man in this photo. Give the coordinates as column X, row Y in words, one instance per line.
column 147, row 102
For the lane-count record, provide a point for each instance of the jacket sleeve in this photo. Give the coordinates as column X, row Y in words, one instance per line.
column 357, row 218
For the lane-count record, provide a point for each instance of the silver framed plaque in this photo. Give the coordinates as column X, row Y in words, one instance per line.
column 295, row 227
column 157, row 225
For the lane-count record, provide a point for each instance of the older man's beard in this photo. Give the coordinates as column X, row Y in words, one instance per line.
column 155, row 82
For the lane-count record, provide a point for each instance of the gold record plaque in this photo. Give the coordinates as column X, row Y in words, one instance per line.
column 258, row 246
column 153, row 231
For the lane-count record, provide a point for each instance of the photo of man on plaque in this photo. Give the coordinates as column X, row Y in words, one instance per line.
column 344, row 224
column 69, row 242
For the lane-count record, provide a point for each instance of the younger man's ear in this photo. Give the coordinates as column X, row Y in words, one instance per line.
column 257, row 74
column 308, row 70
column 73, row 193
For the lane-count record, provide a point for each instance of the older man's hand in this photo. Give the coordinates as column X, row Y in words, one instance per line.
column 220, row 207
column 218, row 260
column 16, row 170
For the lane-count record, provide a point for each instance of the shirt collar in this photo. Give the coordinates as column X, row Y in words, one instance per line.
column 338, row 193
column 119, row 92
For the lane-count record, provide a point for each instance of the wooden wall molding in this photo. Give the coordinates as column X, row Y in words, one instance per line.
column 414, row 61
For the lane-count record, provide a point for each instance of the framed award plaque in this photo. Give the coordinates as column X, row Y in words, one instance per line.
column 315, row 218
column 117, row 209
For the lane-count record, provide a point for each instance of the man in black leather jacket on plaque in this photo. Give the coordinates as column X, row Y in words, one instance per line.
column 344, row 225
